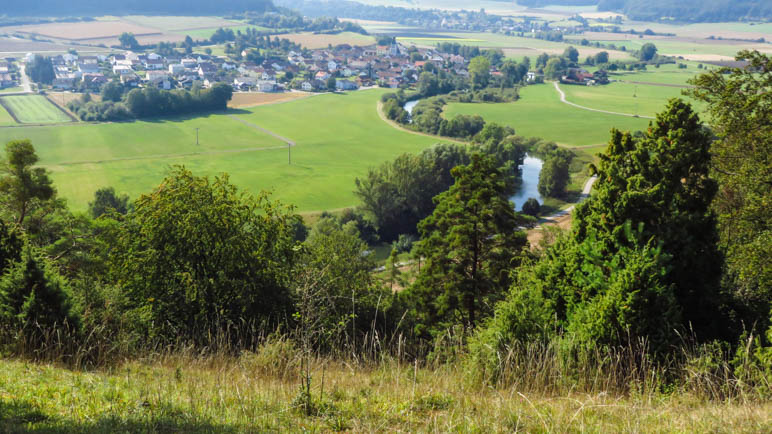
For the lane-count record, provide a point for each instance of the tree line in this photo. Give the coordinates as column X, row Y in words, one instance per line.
column 150, row 102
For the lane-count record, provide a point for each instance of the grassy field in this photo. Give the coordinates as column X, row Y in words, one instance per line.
column 540, row 113
column 5, row 117
column 11, row 89
column 251, row 99
column 665, row 74
column 254, row 393
column 34, row 109
column 338, row 137
column 631, row 98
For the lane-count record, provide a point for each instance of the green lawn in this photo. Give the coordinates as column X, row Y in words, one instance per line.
column 644, row 100
column 665, row 74
column 5, row 117
column 338, row 137
column 11, row 89
column 540, row 113
column 34, row 109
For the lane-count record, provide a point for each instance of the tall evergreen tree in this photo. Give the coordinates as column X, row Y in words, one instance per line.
column 470, row 243
column 661, row 182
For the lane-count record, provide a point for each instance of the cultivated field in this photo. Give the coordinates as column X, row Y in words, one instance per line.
column 251, row 99
column 338, row 137
column 513, row 46
column 312, row 41
column 84, row 30
column 20, row 47
column 177, row 23
column 33, row 109
column 540, row 113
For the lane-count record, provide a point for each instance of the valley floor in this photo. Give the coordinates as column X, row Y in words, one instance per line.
column 255, row 393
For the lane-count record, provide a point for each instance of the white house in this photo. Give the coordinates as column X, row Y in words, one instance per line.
column 266, row 86
column 332, row 66
column 307, row 86
column 176, row 69
column 345, row 85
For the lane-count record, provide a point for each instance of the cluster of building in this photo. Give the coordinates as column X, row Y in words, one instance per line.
column 6, row 74
column 352, row 67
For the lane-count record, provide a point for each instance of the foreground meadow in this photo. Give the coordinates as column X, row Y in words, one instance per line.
column 259, row 393
column 337, row 136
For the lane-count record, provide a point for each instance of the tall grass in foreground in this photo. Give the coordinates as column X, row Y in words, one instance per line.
column 260, row 390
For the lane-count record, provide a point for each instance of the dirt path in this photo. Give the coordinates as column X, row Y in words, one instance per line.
column 561, row 219
column 564, row 101
column 25, row 83
column 401, row 128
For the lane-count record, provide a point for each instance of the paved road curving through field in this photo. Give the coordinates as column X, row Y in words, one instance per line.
column 564, row 101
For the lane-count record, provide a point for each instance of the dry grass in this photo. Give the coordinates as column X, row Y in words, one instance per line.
column 258, row 392
column 252, row 99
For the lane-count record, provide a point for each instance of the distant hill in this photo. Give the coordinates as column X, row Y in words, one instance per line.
column 677, row 10
column 51, row 8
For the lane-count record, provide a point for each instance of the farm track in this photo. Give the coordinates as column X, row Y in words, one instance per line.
column 564, row 101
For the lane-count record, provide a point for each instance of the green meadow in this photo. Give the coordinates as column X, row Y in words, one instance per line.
column 642, row 100
column 540, row 113
column 34, row 109
column 665, row 74
column 5, row 117
column 338, row 137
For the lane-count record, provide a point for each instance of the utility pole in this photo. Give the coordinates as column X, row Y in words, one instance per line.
column 197, row 136
column 289, row 153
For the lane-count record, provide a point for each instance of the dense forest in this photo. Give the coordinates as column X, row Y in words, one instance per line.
column 117, row 7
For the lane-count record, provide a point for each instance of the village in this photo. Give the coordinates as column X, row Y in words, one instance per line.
column 343, row 67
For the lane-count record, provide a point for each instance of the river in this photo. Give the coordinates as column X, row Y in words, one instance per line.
column 530, row 171
column 409, row 107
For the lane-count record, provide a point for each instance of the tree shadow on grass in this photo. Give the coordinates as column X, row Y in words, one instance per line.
column 194, row 116
column 25, row 417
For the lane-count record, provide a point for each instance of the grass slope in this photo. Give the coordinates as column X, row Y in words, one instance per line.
column 251, row 395
column 338, row 137
column 34, row 109
column 5, row 117
column 540, row 113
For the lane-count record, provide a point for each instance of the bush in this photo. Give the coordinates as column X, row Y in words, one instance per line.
column 531, row 207
column 35, row 300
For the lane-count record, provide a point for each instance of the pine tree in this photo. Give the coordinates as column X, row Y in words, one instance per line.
column 470, row 243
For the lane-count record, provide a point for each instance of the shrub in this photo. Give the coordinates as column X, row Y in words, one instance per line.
column 531, row 207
